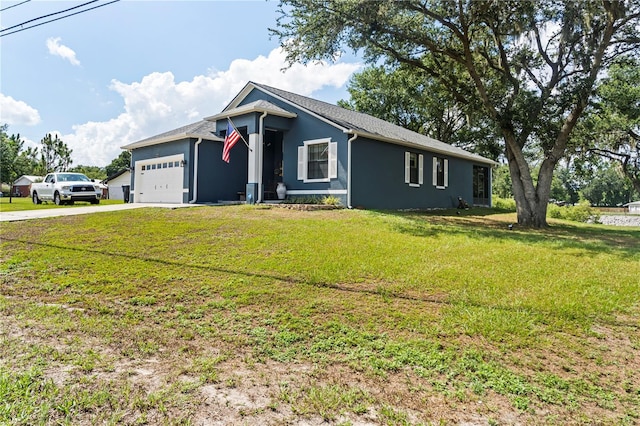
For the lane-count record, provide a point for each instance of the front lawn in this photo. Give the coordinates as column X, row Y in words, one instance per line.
column 258, row 315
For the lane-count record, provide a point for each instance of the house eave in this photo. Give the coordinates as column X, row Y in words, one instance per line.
column 247, row 109
column 464, row 155
column 173, row 138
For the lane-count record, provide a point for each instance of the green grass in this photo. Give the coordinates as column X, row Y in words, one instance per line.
column 20, row 204
column 342, row 316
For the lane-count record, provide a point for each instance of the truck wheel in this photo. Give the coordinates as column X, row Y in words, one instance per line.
column 35, row 198
column 96, row 201
column 56, row 199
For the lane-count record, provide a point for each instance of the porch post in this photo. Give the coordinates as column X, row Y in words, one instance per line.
column 254, row 171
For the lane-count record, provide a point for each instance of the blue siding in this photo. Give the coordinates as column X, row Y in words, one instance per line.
column 217, row 180
column 378, row 180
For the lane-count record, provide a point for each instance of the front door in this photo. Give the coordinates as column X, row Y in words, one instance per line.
column 481, row 186
column 272, row 163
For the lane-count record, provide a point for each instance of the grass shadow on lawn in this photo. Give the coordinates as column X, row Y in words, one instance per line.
column 485, row 223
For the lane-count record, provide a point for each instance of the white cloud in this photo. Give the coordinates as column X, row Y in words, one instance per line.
column 57, row 49
column 158, row 103
column 15, row 112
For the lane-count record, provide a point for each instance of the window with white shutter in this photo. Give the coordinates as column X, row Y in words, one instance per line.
column 318, row 161
column 440, row 172
column 413, row 168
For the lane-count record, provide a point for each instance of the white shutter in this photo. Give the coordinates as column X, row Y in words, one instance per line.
column 333, row 160
column 446, row 173
column 302, row 162
column 435, row 171
column 407, row 167
column 420, row 169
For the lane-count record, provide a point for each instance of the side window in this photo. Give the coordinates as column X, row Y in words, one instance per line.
column 413, row 168
column 440, row 172
column 318, row 160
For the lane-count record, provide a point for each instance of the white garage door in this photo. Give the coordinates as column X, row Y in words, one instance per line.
column 159, row 180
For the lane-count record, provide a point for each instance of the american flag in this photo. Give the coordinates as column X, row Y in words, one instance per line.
column 233, row 136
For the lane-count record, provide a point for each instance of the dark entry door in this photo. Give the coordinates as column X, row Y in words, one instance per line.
column 480, row 186
column 272, row 163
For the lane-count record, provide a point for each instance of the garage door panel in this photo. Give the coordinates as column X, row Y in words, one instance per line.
column 160, row 180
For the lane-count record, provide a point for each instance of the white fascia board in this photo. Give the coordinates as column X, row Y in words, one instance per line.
column 239, row 97
column 172, row 138
column 249, row 109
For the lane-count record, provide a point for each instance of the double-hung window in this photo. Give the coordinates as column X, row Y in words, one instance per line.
column 413, row 168
column 440, row 172
column 318, row 160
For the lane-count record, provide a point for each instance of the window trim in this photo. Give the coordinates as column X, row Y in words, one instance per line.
column 445, row 172
column 407, row 169
column 332, row 160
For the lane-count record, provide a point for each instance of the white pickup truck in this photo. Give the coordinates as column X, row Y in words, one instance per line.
column 66, row 187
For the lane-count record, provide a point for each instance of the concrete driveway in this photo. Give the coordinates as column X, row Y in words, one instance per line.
column 71, row 211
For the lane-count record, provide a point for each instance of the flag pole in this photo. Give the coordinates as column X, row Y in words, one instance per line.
column 236, row 129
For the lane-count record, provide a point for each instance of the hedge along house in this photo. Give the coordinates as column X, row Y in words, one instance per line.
column 315, row 149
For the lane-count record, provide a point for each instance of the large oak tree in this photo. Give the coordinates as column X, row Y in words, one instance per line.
column 532, row 65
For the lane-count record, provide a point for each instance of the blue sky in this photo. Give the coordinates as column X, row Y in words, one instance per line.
column 133, row 69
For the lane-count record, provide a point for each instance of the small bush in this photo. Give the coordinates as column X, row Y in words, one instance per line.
column 508, row 204
column 302, row 200
column 331, row 200
column 582, row 212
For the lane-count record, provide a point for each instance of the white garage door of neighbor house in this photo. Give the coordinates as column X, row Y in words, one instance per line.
column 159, row 180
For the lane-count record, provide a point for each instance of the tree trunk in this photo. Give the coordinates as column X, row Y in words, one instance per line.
column 531, row 200
column 531, row 209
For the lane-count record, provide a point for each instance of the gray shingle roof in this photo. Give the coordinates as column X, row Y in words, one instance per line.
column 202, row 129
column 357, row 122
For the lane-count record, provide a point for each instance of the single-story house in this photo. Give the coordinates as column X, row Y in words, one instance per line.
column 22, row 185
column 312, row 148
column 117, row 184
column 634, row 207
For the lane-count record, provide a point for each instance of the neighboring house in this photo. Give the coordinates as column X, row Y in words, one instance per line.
column 634, row 207
column 117, row 184
column 314, row 149
column 22, row 185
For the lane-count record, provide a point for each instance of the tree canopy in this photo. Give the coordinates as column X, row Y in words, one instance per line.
column 416, row 101
column 531, row 65
column 122, row 161
column 611, row 128
column 55, row 155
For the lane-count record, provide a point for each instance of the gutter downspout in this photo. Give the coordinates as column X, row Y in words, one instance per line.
column 353, row 138
column 195, row 172
column 261, row 143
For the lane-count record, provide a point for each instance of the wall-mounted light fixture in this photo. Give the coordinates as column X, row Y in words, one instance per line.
column 183, row 163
